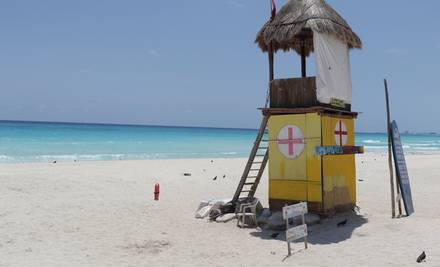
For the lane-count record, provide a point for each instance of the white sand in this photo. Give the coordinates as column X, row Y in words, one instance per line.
column 103, row 214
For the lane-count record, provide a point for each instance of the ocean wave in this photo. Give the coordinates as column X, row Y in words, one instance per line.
column 61, row 158
column 376, row 147
column 370, row 141
column 423, row 145
column 5, row 158
column 71, row 157
column 116, row 156
column 426, row 148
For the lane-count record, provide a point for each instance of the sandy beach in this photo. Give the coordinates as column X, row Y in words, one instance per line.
column 103, row 214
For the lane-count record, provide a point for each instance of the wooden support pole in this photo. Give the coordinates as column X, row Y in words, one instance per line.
column 287, row 228
column 270, row 52
column 390, row 161
column 305, row 238
column 303, row 60
column 271, row 73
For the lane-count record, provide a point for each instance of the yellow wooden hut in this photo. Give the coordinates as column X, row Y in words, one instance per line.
column 310, row 145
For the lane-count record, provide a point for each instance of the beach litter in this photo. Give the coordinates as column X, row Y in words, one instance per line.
column 206, row 206
column 421, row 258
column 224, row 218
column 156, row 191
column 214, row 214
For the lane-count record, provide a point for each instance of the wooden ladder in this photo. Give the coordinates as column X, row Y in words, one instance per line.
column 255, row 165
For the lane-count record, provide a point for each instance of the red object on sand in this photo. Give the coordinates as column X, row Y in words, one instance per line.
column 156, row 191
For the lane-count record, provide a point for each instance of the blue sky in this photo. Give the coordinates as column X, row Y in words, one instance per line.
column 194, row 63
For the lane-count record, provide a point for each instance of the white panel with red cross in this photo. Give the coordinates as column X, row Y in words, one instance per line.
column 290, row 141
column 341, row 133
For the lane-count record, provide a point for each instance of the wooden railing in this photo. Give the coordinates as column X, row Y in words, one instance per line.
column 293, row 93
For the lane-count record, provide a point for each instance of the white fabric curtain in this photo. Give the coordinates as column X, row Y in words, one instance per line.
column 333, row 72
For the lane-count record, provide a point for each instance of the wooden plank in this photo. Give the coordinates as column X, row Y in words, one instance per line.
column 294, row 210
column 305, row 236
column 338, row 150
column 293, row 93
column 296, row 232
column 390, row 163
column 337, row 116
column 287, row 240
column 299, row 93
column 299, row 231
column 319, row 109
column 401, row 170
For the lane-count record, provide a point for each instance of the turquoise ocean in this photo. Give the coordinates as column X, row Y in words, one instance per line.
column 47, row 142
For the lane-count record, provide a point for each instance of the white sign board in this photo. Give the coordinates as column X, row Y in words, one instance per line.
column 294, row 210
column 296, row 233
column 299, row 231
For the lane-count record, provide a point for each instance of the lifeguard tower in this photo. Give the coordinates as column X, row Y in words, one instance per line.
column 310, row 144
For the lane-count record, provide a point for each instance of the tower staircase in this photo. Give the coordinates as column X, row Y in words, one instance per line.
column 255, row 165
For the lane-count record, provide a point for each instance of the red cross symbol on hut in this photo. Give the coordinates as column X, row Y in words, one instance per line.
column 341, row 133
column 290, row 141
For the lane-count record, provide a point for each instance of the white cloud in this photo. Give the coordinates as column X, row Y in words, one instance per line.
column 236, row 4
column 153, row 53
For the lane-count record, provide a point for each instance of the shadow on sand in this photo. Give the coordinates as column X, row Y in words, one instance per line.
column 326, row 232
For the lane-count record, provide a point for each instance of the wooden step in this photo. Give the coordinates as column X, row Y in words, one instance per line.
column 246, row 191
column 251, row 162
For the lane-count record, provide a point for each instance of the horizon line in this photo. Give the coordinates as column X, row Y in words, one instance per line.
column 126, row 124
column 167, row 126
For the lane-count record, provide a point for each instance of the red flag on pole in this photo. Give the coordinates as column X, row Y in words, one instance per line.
column 274, row 10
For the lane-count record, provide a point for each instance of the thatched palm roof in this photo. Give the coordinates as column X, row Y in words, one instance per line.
column 297, row 20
